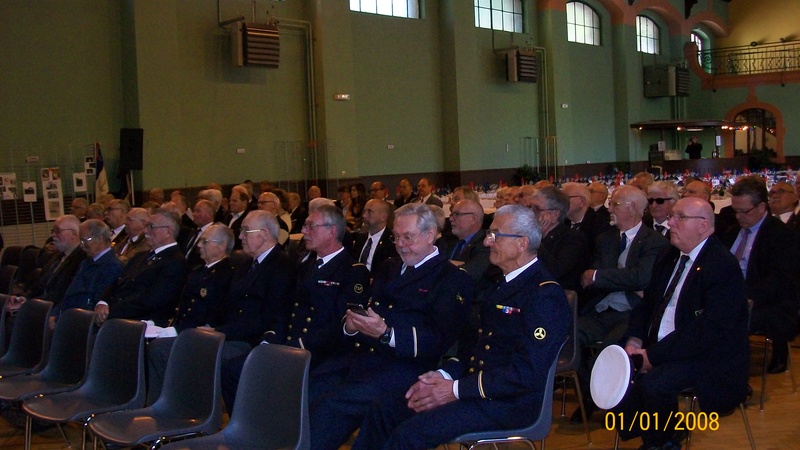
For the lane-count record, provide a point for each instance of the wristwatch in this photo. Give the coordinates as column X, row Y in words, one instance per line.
column 386, row 336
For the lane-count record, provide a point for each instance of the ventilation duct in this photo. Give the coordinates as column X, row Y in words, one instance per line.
column 522, row 66
column 255, row 44
column 666, row 81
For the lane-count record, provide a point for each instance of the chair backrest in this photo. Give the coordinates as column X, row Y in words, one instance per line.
column 26, row 269
column 191, row 381
column 3, row 334
column 7, row 274
column 29, row 337
column 70, row 348
column 274, row 378
column 116, row 369
column 541, row 428
column 569, row 358
column 11, row 255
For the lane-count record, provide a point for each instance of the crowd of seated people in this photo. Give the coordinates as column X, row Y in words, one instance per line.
column 381, row 292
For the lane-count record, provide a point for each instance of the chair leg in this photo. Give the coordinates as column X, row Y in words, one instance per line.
column 746, row 427
column 563, row 395
column 616, row 440
column 574, row 376
column 28, row 426
column 791, row 369
column 689, row 434
column 64, row 435
column 764, row 372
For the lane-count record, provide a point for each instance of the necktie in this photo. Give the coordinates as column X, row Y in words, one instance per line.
column 623, row 242
column 652, row 334
column 660, row 228
column 151, row 255
column 365, row 252
column 254, row 266
column 193, row 241
column 742, row 244
column 575, row 225
column 459, row 248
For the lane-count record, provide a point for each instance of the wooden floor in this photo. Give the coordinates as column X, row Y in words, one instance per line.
column 777, row 427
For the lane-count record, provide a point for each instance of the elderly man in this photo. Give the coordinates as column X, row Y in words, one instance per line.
column 502, row 371
column 465, row 248
column 115, row 216
column 96, row 272
column 411, row 321
column 425, row 193
column 697, row 189
column 378, row 191
column 259, row 298
column 642, row 181
column 599, row 197
column 374, row 246
column 203, row 217
column 581, row 216
column 406, row 192
column 60, row 270
column 766, row 251
column 661, row 196
column 268, row 201
column 326, row 284
column 524, row 195
column 783, row 203
column 215, row 197
column 201, row 303
column 78, row 208
column 156, row 195
column 134, row 241
column 563, row 251
column 237, row 206
column 690, row 329
column 150, row 284
column 621, row 270
column 297, row 212
column 314, row 192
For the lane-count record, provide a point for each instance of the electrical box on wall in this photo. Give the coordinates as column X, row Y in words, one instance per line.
column 666, row 81
column 522, row 66
column 255, row 45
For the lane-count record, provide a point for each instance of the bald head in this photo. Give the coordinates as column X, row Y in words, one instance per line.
column 268, row 201
column 697, row 189
column 692, row 222
column 376, row 215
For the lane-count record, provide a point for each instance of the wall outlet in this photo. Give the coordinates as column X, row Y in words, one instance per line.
column 240, row 151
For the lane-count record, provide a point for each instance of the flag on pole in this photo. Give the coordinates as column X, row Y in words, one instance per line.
column 101, row 179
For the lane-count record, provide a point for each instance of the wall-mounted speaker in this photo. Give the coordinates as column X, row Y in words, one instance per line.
column 131, row 142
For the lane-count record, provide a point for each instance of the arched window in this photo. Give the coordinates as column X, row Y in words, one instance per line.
column 647, row 36
column 583, row 24
column 504, row 15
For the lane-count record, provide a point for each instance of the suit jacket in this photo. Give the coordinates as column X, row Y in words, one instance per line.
column 642, row 254
column 133, row 249
column 119, row 240
column 56, row 277
column 506, row 362
column 148, row 288
column 385, row 247
column 433, row 200
column 187, row 222
column 236, row 227
column 420, row 305
column 191, row 252
column 594, row 224
column 320, row 301
column 564, row 252
column 474, row 255
column 259, row 300
column 92, row 279
column 400, row 201
column 298, row 216
column 710, row 323
column 725, row 221
column 203, row 298
column 770, row 279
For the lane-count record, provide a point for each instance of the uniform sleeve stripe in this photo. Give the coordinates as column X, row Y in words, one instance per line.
column 414, row 332
column 548, row 282
column 480, row 384
column 300, row 340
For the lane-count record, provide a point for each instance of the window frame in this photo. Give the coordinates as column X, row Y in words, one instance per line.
column 652, row 39
column 489, row 12
column 574, row 26
column 411, row 10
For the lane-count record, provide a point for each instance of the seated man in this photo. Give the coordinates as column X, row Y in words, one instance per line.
column 690, row 329
column 412, row 319
column 134, row 241
column 374, row 246
column 202, row 301
column 581, row 215
column 661, row 196
column 465, row 246
column 95, row 274
column 151, row 283
column 268, row 201
column 499, row 377
column 623, row 264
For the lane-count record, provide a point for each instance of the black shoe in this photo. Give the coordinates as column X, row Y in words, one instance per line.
column 576, row 418
column 776, row 368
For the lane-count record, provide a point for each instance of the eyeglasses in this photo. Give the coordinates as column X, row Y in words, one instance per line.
column 617, row 204
column 682, row 217
column 311, row 226
column 458, row 214
column 659, row 201
column 56, row 230
column 248, row 231
column 492, row 236
column 537, row 210
column 85, row 241
column 205, row 241
column 748, row 211
column 405, row 239
column 150, row 226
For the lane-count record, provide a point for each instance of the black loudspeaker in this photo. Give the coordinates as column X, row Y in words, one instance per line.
column 130, row 148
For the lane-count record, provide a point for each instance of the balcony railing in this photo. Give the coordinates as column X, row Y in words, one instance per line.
column 752, row 59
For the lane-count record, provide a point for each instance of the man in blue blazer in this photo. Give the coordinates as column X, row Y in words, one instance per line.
column 501, row 372
column 690, row 329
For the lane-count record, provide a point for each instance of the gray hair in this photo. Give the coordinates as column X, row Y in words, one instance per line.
column 212, row 195
column 333, row 216
column 265, row 220
column 315, row 203
column 554, row 199
column 98, row 229
column 634, row 195
column 172, row 217
column 224, row 235
column 665, row 186
column 523, row 222
column 426, row 219
column 578, row 189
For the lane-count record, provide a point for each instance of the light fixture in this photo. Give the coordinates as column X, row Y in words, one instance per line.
column 341, row 97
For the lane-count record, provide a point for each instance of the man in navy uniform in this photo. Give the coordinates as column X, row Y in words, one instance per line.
column 497, row 380
column 411, row 321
